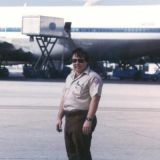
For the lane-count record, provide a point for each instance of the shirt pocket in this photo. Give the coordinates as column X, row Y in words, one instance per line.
column 81, row 89
column 77, row 90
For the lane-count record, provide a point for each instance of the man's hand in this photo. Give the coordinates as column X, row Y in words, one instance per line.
column 59, row 125
column 87, row 127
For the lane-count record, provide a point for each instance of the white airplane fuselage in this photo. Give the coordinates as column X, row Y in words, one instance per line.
column 107, row 32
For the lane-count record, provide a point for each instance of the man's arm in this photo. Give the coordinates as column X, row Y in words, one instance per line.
column 91, row 113
column 60, row 115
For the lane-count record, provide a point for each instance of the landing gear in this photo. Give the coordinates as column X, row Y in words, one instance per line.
column 4, row 73
column 47, row 73
column 102, row 68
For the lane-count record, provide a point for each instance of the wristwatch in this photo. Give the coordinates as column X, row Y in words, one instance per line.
column 89, row 119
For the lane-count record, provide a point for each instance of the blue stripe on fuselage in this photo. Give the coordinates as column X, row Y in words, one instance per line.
column 97, row 30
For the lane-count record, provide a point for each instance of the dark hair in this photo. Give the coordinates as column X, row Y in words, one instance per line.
column 79, row 52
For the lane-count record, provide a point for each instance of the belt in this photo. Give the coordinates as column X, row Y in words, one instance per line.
column 75, row 112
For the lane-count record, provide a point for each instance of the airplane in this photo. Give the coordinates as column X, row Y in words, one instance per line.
column 121, row 34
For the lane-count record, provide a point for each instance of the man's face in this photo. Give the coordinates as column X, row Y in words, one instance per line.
column 79, row 64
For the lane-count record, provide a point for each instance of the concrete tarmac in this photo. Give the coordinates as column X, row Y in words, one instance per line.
column 128, row 122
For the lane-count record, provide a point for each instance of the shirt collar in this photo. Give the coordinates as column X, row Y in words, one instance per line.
column 86, row 71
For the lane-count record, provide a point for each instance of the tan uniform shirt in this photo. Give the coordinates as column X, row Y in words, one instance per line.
column 80, row 90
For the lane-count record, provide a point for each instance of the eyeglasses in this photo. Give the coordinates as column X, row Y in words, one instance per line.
column 78, row 60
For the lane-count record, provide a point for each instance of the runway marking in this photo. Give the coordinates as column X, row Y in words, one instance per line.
column 100, row 109
column 129, row 109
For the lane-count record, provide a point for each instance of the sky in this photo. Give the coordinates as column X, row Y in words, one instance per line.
column 74, row 2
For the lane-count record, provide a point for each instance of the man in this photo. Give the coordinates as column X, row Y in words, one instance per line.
column 79, row 104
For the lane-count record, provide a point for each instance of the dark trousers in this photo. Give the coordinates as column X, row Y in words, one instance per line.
column 77, row 144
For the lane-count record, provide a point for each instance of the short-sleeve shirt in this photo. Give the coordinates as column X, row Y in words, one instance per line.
column 80, row 90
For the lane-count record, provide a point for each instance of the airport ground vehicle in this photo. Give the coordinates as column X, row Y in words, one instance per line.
column 132, row 72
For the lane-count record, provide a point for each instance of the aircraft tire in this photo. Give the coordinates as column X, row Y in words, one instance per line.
column 4, row 73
